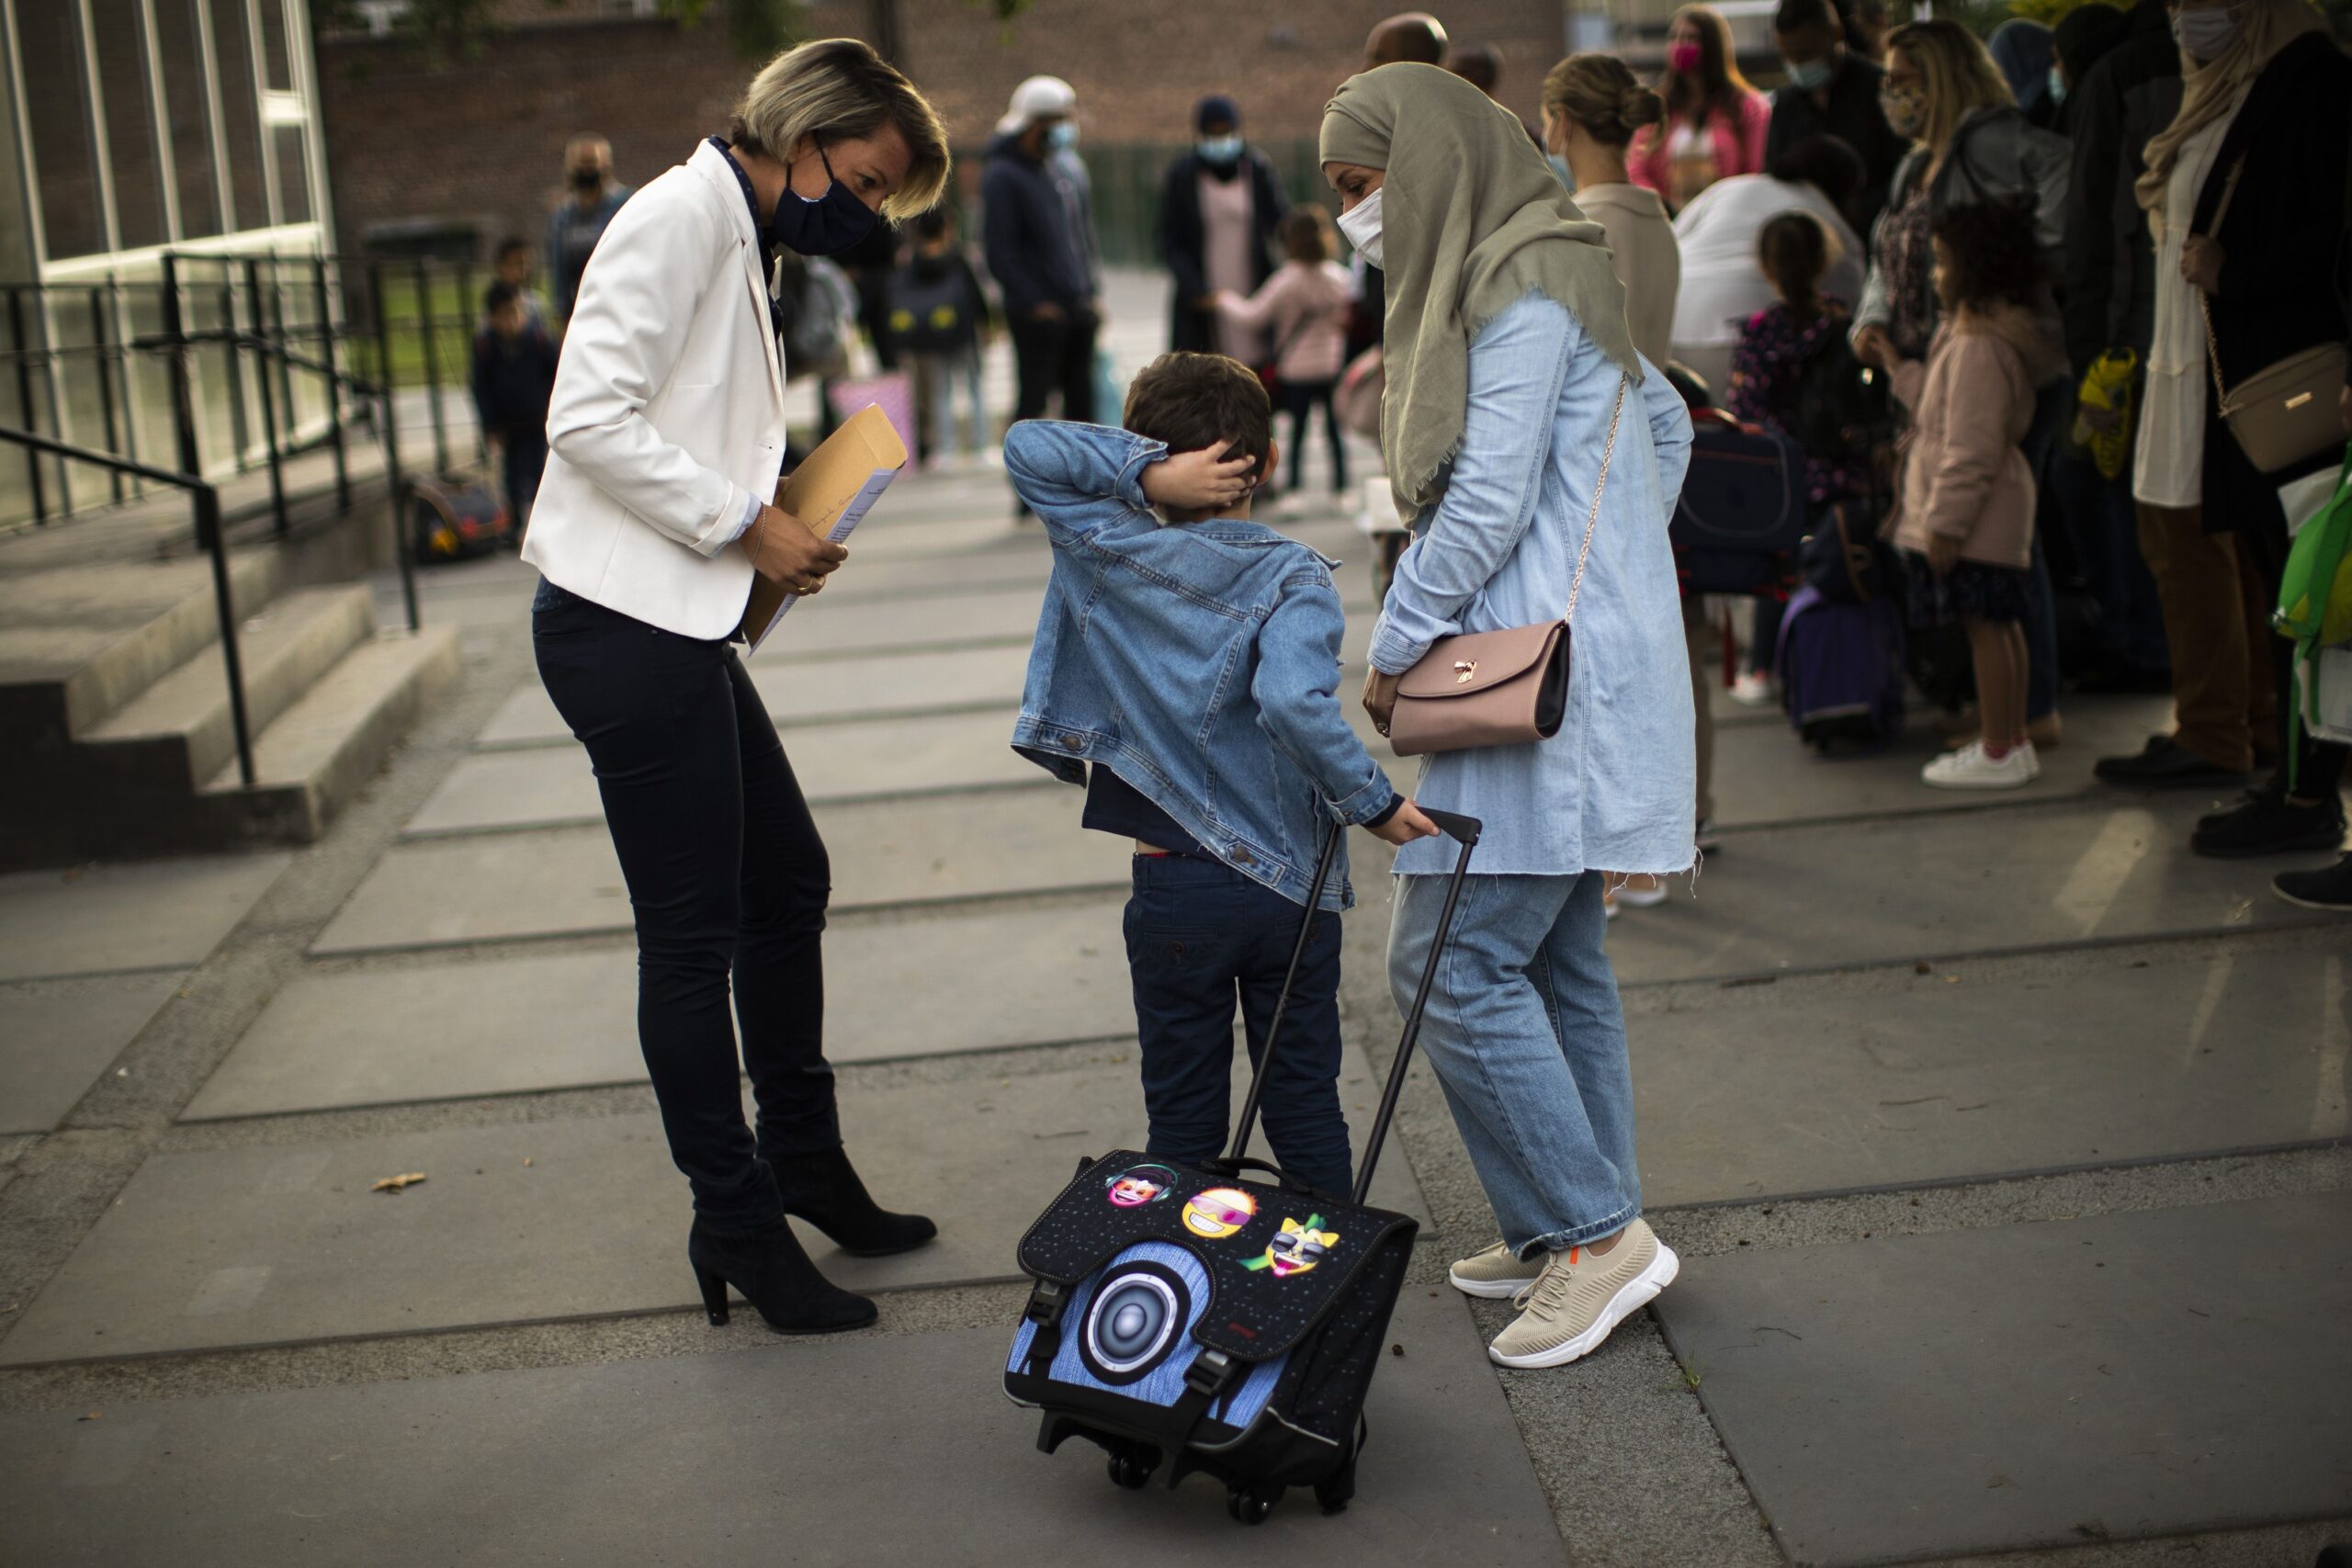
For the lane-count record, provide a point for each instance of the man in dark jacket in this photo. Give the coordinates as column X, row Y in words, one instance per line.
column 1832, row 91
column 1039, row 237
column 1217, row 154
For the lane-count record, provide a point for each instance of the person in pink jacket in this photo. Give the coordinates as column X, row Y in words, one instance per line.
column 1715, row 123
column 1304, row 310
column 1963, row 514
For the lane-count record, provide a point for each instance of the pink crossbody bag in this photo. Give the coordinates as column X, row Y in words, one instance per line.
column 1505, row 688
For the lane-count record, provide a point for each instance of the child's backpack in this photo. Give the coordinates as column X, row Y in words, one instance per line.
column 1841, row 669
column 455, row 517
column 1842, row 557
column 932, row 310
column 2315, row 603
column 1843, row 413
column 1742, row 514
column 1188, row 1317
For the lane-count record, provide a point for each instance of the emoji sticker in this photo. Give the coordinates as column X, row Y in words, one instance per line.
column 1138, row 1185
column 1298, row 1248
column 1219, row 1212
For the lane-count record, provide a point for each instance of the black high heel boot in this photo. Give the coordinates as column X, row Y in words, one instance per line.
column 825, row 1190
column 776, row 1277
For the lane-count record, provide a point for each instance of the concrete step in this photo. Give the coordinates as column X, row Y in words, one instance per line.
column 325, row 747
column 180, row 730
column 79, row 639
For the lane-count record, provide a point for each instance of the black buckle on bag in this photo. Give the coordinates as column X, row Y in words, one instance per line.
column 1047, row 1301
column 1211, row 1373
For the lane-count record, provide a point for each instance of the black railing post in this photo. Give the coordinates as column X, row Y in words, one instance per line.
column 216, row 542
column 387, row 392
column 25, row 398
column 334, row 386
column 466, row 297
column 240, row 423
column 99, row 338
column 116, row 315
column 432, row 365
column 268, row 395
column 277, row 334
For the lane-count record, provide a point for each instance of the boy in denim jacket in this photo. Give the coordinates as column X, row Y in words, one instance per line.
column 1186, row 671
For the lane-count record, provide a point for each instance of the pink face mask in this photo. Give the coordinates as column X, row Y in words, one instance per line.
column 1682, row 57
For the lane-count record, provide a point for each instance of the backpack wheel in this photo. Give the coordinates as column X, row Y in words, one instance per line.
column 1130, row 1469
column 1251, row 1504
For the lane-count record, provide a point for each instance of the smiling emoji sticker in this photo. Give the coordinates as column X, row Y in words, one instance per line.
column 1219, row 1213
column 1297, row 1249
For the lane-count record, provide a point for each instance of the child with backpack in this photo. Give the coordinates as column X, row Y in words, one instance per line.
column 1306, row 305
column 935, row 314
column 514, row 377
column 1186, row 671
column 1963, row 516
column 1788, row 371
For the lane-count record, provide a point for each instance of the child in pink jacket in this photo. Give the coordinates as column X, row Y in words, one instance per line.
column 1963, row 516
column 1305, row 306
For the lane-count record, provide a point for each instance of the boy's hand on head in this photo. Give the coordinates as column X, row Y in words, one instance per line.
column 1193, row 481
column 1406, row 825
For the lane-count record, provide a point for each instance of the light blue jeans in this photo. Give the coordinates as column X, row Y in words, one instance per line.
column 1527, row 1037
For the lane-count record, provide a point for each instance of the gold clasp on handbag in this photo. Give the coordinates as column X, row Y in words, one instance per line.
column 1463, row 669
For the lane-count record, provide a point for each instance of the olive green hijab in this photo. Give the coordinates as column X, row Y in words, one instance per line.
column 1471, row 221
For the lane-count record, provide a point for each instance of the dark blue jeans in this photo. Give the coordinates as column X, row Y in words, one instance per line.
column 1200, row 937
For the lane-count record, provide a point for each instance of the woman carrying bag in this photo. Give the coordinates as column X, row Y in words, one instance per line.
column 667, row 433
column 1537, row 459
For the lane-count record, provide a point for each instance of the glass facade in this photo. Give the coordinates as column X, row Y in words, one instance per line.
column 130, row 129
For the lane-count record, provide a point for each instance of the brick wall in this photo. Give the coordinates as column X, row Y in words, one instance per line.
column 483, row 140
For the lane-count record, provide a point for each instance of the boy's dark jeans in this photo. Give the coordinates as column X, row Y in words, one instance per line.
column 1199, row 935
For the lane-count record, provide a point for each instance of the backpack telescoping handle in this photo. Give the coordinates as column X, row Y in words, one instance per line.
column 1463, row 831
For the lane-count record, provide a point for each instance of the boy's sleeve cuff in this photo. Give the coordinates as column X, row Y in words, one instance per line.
column 1350, row 808
column 1145, row 453
column 1396, row 803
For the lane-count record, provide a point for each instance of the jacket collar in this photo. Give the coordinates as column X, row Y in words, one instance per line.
column 714, row 169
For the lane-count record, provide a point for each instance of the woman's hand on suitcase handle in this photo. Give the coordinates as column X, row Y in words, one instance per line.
column 1406, row 825
column 1190, row 482
column 783, row 550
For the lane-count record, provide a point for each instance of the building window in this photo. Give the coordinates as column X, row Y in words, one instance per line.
column 232, row 50
column 57, row 113
column 133, row 160
column 188, row 99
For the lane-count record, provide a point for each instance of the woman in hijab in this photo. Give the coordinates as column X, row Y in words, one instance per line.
column 1220, row 209
column 2026, row 53
column 1537, row 459
column 2245, row 193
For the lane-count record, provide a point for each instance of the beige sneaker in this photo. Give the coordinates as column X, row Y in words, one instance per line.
column 1496, row 1274
column 1568, row 1311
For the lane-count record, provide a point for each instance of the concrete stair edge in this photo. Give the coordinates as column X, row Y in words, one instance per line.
column 183, row 722
column 326, row 746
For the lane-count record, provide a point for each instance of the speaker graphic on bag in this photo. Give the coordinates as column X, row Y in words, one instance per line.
column 1200, row 1320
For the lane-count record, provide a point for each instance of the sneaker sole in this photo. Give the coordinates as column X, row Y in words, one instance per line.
column 2310, row 843
column 2283, row 896
column 1637, row 1293
column 1642, row 899
column 1489, row 1289
column 1986, row 785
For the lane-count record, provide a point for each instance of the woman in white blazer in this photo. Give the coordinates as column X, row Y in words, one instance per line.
column 666, row 434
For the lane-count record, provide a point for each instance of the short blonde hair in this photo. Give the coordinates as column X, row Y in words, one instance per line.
column 1957, row 77
column 838, row 90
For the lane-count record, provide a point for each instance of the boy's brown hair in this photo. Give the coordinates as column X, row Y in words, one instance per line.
column 1202, row 402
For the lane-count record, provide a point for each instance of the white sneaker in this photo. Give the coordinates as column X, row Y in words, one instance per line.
column 1496, row 1274
column 1970, row 768
column 1641, row 891
column 2032, row 759
column 1753, row 689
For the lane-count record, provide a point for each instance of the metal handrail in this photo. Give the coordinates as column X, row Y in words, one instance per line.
column 210, row 534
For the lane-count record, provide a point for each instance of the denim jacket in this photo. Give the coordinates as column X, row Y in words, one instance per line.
column 1199, row 661
column 1615, row 789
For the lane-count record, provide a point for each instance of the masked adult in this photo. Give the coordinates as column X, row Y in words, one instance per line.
column 1715, row 123
column 668, row 431
column 591, row 197
column 1512, row 378
column 1220, row 208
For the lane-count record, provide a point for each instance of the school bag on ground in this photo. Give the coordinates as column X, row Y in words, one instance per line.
column 1841, row 669
column 2314, row 613
column 1117, row 1345
column 1741, row 517
column 455, row 517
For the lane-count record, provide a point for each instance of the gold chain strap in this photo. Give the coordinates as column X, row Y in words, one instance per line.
column 2205, row 300
column 1600, row 486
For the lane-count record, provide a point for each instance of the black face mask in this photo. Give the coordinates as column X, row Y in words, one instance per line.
column 587, row 179
column 827, row 226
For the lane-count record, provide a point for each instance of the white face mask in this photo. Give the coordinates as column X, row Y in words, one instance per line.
column 2207, row 33
column 1360, row 224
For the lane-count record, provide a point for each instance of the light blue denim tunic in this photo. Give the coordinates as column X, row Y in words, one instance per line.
column 1614, row 790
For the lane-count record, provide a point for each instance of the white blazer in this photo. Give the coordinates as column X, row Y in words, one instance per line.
column 668, row 411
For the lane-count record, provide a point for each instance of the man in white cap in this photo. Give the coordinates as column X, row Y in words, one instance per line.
column 1038, row 221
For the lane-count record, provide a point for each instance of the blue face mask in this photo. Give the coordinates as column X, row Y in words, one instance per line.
column 1218, row 149
column 1063, row 137
column 1560, row 167
column 2057, row 86
column 1811, row 76
column 825, row 226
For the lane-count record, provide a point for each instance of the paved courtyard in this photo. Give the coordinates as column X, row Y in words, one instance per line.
column 2006, row 1144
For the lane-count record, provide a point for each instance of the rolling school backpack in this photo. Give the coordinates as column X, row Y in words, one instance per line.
column 1191, row 1318
column 1841, row 669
